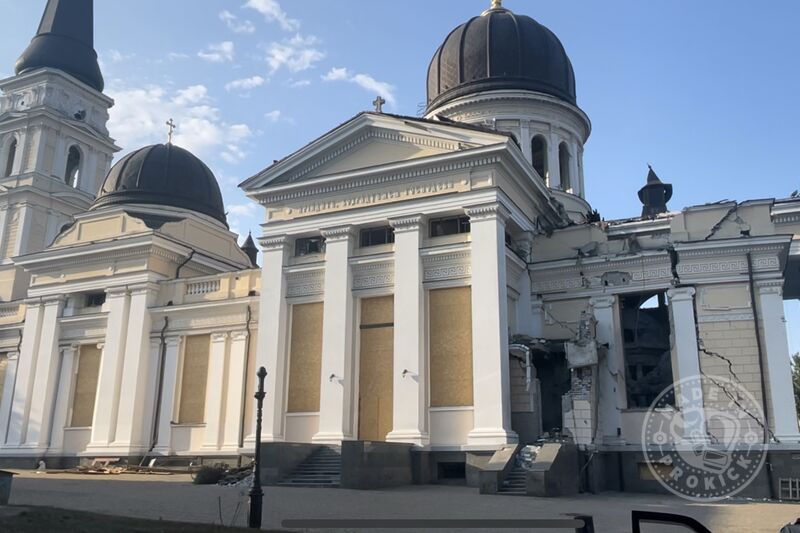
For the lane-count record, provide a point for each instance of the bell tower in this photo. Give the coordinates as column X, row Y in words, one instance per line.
column 55, row 148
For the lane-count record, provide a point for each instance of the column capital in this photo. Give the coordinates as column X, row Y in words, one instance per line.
column 239, row 335
column 72, row 347
column 220, row 336
column 681, row 294
column 12, row 356
column 55, row 299
column 276, row 242
column 338, row 233
column 407, row 223
column 155, row 343
column 101, row 346
column 116, row 292
column 32, row 302
column 770, row 286
column 143, row 288
column 493, row 211
column 174, row 341
column 602, row 302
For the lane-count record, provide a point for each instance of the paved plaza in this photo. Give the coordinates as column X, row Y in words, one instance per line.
column 176, row 498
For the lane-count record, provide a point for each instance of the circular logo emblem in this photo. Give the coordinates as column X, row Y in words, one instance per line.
column 702, row 438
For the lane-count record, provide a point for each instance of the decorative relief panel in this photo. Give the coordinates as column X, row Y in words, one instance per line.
column 305, row 283
column 450, row 265
column 373, row 275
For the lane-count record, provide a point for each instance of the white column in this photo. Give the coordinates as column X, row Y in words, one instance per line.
column 525, row 318
column 553, row 163
column 611, row 371
column 26, row 372
column 109, row 379
column 409, row 369
column 686, row 362
column 215, row 391
column 47, row 361
column 525, row 139
column 234, row 409
column 272, row 335
column 169, row 386
column 537, row 317
column 490, row 358
column 336, row 380
column 8, row 395
column 776, row 346
column 66, row 384
column 573, row 169
column 136, row 393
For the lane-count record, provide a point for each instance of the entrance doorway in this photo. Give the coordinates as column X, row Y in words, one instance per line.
column 376, row 361
column 554, row 382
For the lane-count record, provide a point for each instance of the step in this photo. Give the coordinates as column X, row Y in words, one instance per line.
column 310, row 485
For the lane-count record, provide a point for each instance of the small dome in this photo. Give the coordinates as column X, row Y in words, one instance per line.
column 163, row 174
column 500, row 50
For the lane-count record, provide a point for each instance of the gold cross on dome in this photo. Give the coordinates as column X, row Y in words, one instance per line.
column 378, row 103
column 497, row 4
column 172, row 127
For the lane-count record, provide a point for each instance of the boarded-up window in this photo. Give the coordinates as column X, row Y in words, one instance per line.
column 3, row 367
column 305, row 358
column 85, row 386
column 450, row 312
column 193, row 380
column 376, row 368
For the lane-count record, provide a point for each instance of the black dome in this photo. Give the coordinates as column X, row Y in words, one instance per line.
column 65, row 41
column 500, row 50
column 163, row 174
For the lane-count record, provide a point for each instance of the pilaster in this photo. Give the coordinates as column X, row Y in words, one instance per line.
column 409, row 368
column 611, row 372
column 169, row 384
column 7, row 397
column 336, row 380
column 236, row 380
column 686, row 363
column 490, row 358
column 215, row 391
column 272, row 335
column 776, row 346
column 66, row 384
column 26, row 372
column 47, row 362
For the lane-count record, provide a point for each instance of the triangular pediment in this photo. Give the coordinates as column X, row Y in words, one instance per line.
column 371, row 140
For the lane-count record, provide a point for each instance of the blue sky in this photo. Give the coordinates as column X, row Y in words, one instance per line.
column 705, row 91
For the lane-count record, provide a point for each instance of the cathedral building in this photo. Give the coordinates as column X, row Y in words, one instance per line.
column 438, row 285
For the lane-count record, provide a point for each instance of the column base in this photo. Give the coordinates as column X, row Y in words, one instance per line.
column 612, row 440
column 250, row 440
column 114, row 450
column 790, row 438
column 329, row 438
column 491, row 436
column 410, row 436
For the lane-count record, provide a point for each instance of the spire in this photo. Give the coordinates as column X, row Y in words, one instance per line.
column 65, row 41
column 249, row 247
column 655, row 195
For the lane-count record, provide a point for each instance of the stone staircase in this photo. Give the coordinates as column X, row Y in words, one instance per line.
column 323, row 468
column 514, row 483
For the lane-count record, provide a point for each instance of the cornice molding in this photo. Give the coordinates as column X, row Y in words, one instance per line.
column 493, row 211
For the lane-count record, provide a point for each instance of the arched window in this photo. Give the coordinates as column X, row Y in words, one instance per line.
column 539, row 156
column 563, row 166
column 73, row 166
column 12, row 154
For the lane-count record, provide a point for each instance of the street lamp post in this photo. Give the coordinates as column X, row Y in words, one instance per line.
column 256, row 494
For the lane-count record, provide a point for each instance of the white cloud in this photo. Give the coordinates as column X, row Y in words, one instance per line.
column 115, row 56
column 273, row 116
column 296, row 84
column 297, row 54
column 365, row 81
column 236, row 25
column 245, row 84
column 273, row 12
column 140, row 113
column 218, row 53
column 242, row 210
column 174, row 56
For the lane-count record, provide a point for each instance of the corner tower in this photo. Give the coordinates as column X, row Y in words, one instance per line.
column 55, row 148
column 509, row 72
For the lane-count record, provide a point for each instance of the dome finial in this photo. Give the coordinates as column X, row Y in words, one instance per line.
column 497, row 4
column 172, row 126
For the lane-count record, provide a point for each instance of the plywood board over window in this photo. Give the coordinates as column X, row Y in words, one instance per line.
column 450, row 349
column 193, row 380
column 305, row 358
column 85, row 386
column 376, row 368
